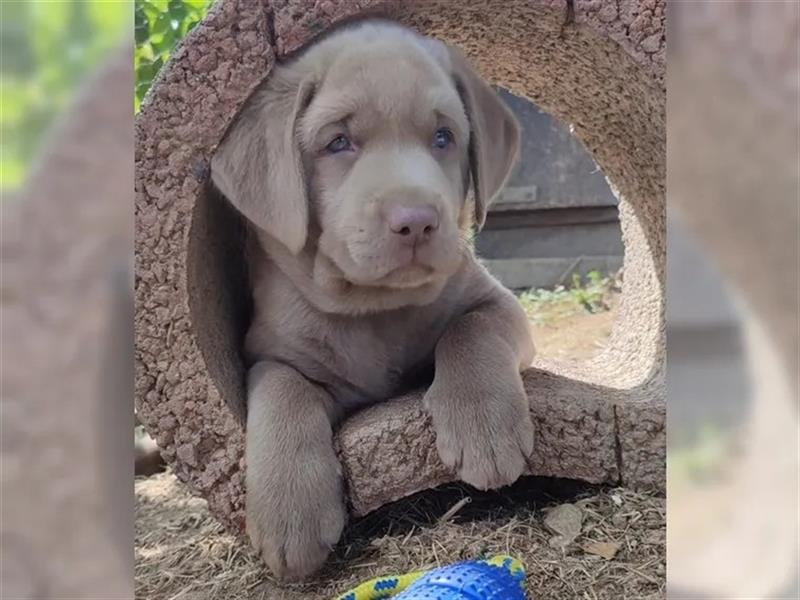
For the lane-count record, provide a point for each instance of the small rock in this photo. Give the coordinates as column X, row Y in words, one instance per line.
column 565, row 521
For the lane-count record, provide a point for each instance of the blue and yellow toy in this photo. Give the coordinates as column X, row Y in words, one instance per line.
column 497, row 578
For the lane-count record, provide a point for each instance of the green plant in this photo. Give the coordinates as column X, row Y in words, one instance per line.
column 159, row 25
column 590, row 295
column 585, row 294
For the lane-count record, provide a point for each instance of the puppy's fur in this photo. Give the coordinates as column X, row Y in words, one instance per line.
column 347, row 310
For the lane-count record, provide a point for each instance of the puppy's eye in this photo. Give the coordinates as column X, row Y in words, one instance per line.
column 339, row 144
column 443, row 138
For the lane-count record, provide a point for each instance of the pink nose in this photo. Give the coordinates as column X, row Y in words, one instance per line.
column 414, row 224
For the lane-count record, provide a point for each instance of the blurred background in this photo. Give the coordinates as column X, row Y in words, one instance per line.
column 48, row 49
column 66, row 191
column 72, row 76
column 732, row 301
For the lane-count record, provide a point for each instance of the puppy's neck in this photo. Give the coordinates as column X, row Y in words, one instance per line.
column 325, row 287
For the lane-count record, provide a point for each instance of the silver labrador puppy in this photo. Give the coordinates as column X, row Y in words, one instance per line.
column 353, row 162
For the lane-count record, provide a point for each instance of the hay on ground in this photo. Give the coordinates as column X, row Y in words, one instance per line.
column 182, row 553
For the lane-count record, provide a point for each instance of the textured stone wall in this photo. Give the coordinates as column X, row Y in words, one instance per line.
column 598, row 65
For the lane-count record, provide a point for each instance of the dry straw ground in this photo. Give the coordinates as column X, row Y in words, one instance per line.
column 183, row 553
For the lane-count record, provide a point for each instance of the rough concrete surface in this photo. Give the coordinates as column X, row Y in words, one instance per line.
column 598, row 66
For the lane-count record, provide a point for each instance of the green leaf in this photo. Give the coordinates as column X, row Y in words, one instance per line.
column 177, row 10
column 148, row 69
column 141, row 25
column 200, row 6
column 142, row 88
column 161, row 24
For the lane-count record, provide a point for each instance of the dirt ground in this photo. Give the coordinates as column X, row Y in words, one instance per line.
column 580, row 335
column 183, row 553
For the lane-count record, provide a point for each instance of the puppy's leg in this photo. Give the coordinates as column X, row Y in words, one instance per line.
column 479, row 408
column 294, row 503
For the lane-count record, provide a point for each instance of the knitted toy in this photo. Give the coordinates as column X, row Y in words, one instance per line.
column 497, row 578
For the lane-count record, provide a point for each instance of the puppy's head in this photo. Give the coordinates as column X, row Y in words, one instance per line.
column 363, row 150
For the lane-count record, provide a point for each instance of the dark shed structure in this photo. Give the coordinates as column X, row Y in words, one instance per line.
column 557, row 215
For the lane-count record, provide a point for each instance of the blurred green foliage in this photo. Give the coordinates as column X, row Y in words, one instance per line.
column 45, row 50
column 159, row 26
column 702, row 460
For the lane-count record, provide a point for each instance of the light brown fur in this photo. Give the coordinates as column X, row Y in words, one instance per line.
column 347, row 313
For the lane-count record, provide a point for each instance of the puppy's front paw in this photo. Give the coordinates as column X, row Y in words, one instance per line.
column 295, row 522
column 485, row 435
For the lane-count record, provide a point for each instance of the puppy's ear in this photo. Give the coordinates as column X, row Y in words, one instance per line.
column 494, row 134
column 258, row 165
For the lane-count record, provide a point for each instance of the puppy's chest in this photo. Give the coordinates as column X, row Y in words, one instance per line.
column 363, row 359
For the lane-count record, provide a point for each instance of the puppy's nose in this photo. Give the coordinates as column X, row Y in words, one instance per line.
column 414, row 224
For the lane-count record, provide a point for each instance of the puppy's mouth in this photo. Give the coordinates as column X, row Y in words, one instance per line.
column 411, row 275
column 408, row 275
column 372, row 262
column 404, row 272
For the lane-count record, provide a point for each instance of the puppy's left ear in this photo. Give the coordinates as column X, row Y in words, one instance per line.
column 258, row 165
column 494, row 134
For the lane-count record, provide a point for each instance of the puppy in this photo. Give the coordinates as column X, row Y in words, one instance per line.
column 353, row 164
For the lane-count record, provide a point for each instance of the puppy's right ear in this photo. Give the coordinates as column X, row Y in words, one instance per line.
column 494, row 134
column 258, row 165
